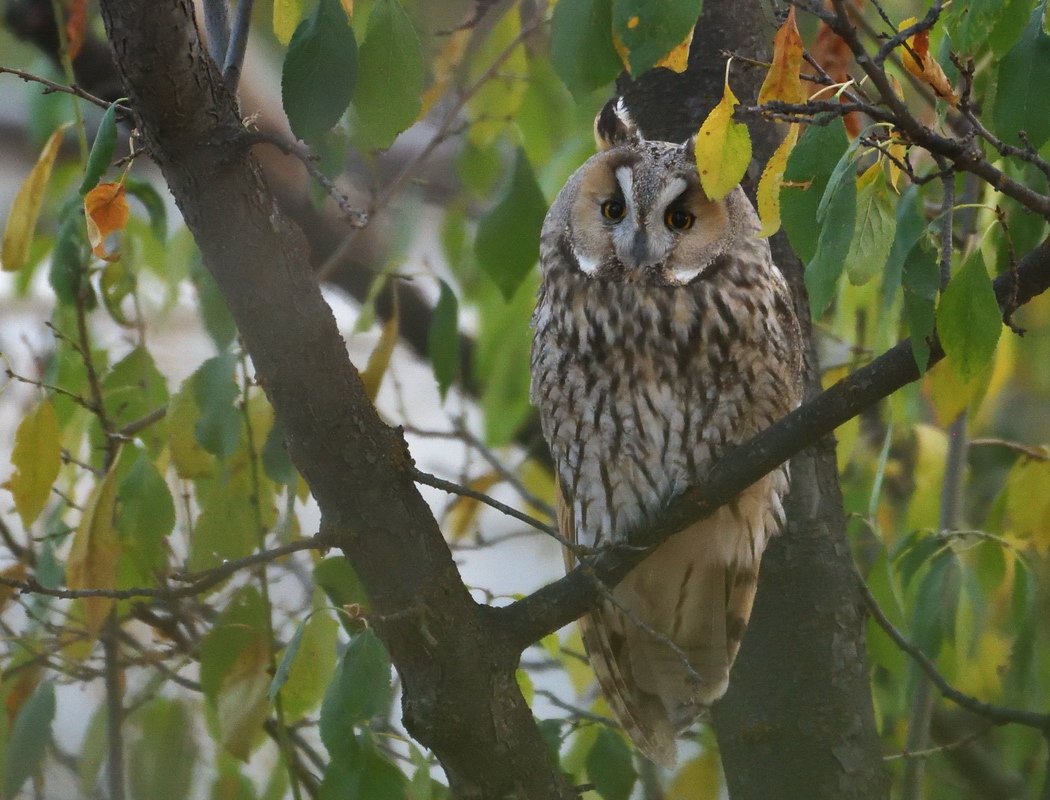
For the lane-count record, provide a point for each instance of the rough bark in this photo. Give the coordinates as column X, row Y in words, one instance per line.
column 460, row 696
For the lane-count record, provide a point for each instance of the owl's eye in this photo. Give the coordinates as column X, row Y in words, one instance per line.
column 679, row 220
column 613, row 209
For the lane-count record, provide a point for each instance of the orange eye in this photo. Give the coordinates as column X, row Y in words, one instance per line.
column 679, row 220
column 613, row 209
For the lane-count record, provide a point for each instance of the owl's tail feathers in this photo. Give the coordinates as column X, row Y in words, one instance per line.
column 642, row 714
column 657, row 691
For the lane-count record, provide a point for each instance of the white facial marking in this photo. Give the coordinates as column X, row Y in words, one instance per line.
column 625, row 178
column 588, row 266
column 672, row 190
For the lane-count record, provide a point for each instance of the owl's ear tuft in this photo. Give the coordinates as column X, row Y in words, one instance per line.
column 614, row 126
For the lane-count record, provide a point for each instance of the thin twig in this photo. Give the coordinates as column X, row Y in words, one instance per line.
column 29, row 77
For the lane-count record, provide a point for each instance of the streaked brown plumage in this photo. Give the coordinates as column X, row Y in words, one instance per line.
column 663, row 333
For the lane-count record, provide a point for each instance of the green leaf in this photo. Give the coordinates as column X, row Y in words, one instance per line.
column 508, row 240
column 37, row 459
column 213, row 309
column 311, row 669
column 276, row 463
column 610, row 766
column 145, row 518
column 809, row 166
column 443, row 339
column 29, row 738
column 280, row 675
column 582, row 48
column 365, row 774
column 150, row 198
column 969, row 22
column 824, row 270
column 651, row 30
column 391, row 80
column 498, row 98
column 101, row 154
column 359, row 691
column 968, row 319
column 875, row 227
column 228, row 525
column 921, row 277
column 219, row 428
column 132, row 389
column 340, row 583
column 163, row 757
column 936, row 603
column 1023, row 78
column 320, row 71
column 69, row 259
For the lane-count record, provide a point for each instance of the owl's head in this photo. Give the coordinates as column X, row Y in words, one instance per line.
column 636, row 212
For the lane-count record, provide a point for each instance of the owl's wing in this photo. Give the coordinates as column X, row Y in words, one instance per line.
column 604, row 632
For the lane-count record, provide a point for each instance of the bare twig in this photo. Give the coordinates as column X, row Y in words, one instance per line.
column 51, row 86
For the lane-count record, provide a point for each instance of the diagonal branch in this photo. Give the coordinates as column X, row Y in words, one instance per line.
column 562, row 601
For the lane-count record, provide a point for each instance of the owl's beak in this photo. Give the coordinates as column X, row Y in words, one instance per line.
column 641, row 254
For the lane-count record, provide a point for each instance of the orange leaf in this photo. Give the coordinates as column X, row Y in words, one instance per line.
column 107, row 211
column 835, row 58
column 782, row 81
column 76, row 25
column 918, row 61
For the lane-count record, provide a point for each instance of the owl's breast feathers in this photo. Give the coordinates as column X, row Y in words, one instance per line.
column 640, row 386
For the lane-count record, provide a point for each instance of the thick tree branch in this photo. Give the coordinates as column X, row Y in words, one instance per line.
column 461, row 698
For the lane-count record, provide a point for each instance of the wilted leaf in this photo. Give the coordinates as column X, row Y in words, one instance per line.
column 650, row 31
column 92, row 562
column 507, row 244
column 1028, row 501
column 968, row 319
column 782, row 81
column 678, row 59
column 379, row 360
column 25, row 210
column 37, row 458
column 723, row 148
column 463, row 512
column 242, row 705
column 1023, row 78
column 610, row 766
column 190, row 458
column 15, row 572
column 76, row 26
column 582, row 49
column 391, row 75
column 106, row 210
column 917, row 60
column 771, row 181
column 835, row 58
column 101, row 154
column 30, row 738
column 876, row 223
column 320, row 71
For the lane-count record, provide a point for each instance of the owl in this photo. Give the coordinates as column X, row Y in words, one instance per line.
column 663, row 334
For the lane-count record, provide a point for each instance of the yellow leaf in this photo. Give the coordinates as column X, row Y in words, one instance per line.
column 107, row 212
column 379, row 360
column 539, row 481
column 242, row 703
column 37, row 458
column 500, row 96
column 1028, row 502
column 678, row 59
column 92, row 562
column 917, row 60
column 951, row 396
column 348, row 7
column 772, row 178
column 25, row 210
column 723, row 149
column 782, row 81
column 15, row 572
column 286, row 14
column 191, row 460
column 444, row 68
column 528, row 691
column 464, row 510
column 700, row 779
column 931, row 450
column 899, row 152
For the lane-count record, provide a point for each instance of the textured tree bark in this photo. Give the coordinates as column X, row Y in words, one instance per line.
column 460, row 695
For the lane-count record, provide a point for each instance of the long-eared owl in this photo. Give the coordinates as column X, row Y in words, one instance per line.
column 664, row 333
